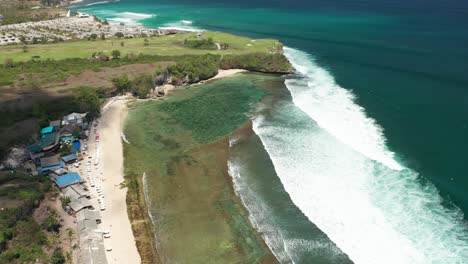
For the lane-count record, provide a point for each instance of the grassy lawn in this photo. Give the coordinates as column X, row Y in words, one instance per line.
column 165, row 45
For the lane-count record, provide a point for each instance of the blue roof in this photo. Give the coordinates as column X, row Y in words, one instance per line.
column 67, row 179
column 69, row 158
column 47, row 130
column 76, row 146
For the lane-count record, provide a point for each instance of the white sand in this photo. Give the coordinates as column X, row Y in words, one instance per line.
column 226, row 73
column 115, row 217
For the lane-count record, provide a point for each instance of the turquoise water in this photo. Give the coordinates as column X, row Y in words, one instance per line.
column 371, row 144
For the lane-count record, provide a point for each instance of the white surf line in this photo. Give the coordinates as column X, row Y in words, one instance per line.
column 124, row 138
column 340, row 174
column 333, row 108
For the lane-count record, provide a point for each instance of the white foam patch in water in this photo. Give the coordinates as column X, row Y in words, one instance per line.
column 374, row 213
column 138, row 16
column 98, row 3
column 333, row 108
column 257, row 213
column 184, row 25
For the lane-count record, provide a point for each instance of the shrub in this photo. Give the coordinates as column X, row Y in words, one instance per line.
column 119, row 34
column 116, row 54
column 201, row 44
column 122, row 83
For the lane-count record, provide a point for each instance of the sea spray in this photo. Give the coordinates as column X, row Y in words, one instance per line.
column 333, row 108
column 348, row 184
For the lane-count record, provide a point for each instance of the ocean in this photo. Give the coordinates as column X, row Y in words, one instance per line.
column 364, row 158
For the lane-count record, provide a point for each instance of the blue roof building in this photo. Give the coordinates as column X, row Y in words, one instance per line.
column 46, row 130
column 50, row 163
column 69, row 158
column 68, row 179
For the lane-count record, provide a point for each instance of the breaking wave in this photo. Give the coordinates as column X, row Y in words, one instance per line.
column 332, row 160
column 185, row 25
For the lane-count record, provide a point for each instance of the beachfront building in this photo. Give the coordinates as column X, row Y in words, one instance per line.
column 68, row 179
column 75, row 119
column 69, row 159
column 46, row 144
column 47, row 130
column 55, row 124
column 75, row 192
column 91, row 215
column 50, row 163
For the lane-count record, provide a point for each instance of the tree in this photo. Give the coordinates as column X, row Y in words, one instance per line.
column 57, row 257
column 116, row 54
column 22, row 39
column 142, row 85
column 119, row 35
column 88, row 101
column 65, row 201
column 122, row 83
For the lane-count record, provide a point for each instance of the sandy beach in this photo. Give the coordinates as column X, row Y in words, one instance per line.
column 115, row 217
column 226, row 73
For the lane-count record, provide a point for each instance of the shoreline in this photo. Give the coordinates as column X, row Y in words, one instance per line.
column 115, row 217
column 168, row 88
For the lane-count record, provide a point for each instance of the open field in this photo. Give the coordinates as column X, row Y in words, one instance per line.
column 171, row 45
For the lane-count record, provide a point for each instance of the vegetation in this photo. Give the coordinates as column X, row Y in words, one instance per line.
column 163, row 46
column 115, row 54
column 194, row 69
column 22, row 239
column 207, row 44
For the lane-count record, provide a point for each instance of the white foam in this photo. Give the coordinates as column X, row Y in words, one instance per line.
column 125, row 20
column 375, row 213
column 137, row 15
column 98, row 3
column 333, row 108
column 181, row 25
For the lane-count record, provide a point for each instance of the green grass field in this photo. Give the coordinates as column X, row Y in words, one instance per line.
column 164, row 45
